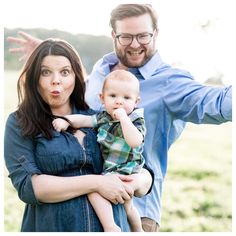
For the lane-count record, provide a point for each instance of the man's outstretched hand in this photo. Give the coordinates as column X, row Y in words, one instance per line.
column 26, row 44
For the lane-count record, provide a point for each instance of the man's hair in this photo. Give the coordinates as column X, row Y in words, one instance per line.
column 123, row 11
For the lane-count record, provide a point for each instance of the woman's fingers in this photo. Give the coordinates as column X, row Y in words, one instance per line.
column 113, row 189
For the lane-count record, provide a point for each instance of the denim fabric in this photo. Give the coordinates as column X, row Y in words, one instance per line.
column 60, row 156
column 170, row 98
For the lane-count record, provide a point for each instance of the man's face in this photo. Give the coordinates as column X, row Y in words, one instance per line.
column 135, row 54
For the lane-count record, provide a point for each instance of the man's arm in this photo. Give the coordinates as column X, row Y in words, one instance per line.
column 27, row 44
column 193, row 102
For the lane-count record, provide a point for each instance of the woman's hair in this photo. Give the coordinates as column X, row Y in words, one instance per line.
column 123, row 11
column 34, row 114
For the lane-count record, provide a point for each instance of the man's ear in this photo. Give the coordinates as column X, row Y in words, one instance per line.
column 156, row 33
column 113, row 34
column 137, row 101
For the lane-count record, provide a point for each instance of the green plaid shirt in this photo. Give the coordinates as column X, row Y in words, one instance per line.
column 118, row 155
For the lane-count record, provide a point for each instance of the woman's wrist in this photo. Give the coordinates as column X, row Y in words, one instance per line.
column 96, row 183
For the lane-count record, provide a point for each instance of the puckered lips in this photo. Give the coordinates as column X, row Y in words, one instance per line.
column 55, row 93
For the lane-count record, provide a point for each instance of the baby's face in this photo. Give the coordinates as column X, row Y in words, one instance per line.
column 119, row 94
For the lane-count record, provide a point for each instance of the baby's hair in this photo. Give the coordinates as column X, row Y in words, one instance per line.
column 121, row 75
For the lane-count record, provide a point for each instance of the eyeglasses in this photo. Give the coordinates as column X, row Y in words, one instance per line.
column 127, row 39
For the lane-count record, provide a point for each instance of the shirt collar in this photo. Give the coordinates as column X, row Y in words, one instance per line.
column 108, row 61
column 150, row 68
column 147, row 70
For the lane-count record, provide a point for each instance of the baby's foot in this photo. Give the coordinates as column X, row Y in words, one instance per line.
column 112, row 228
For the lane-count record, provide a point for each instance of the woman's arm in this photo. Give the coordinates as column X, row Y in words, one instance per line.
column 19, row 160
column 51, row 189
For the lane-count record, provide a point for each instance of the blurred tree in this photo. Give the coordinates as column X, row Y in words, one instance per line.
column 89, row 47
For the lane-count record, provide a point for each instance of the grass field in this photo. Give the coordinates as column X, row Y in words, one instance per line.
column 197, row 195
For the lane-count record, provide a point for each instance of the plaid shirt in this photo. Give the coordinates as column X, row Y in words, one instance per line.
column 118, row 155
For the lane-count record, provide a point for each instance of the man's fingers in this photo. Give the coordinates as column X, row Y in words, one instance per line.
column 13, row 50
column 25, row 35
column 23, row 58
column 15, row 40
column 26, row 38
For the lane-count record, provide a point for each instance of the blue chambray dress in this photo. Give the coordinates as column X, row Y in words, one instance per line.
column 60, row 156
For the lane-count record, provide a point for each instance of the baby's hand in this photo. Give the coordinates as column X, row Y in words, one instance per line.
column 119, row 113
column 60, row 124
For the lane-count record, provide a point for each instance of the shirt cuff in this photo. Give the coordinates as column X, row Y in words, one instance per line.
column 226, row 107
column 94, row 120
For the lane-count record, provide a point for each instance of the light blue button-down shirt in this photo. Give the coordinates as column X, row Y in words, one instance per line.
column 170, row 98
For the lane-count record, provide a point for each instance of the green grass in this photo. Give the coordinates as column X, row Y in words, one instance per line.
column 197, row 192
column 197, row 195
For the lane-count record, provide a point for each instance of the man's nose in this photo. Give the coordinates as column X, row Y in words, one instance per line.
column 135, row 43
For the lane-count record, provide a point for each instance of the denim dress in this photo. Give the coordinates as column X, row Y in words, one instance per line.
column 61, row 156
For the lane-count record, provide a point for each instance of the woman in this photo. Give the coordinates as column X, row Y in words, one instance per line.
column 53, row 172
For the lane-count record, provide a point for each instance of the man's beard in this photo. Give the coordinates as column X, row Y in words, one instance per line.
column 122, row 56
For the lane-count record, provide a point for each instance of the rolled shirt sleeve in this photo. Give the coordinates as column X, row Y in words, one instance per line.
column 191, row 101
column 19, row 159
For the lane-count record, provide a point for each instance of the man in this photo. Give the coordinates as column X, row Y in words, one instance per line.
column 169, row 96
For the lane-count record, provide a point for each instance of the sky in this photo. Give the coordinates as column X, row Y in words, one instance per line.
column 75, row 16
column 182, row 41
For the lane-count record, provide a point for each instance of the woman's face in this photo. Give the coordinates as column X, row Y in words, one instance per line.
column 56, row 83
